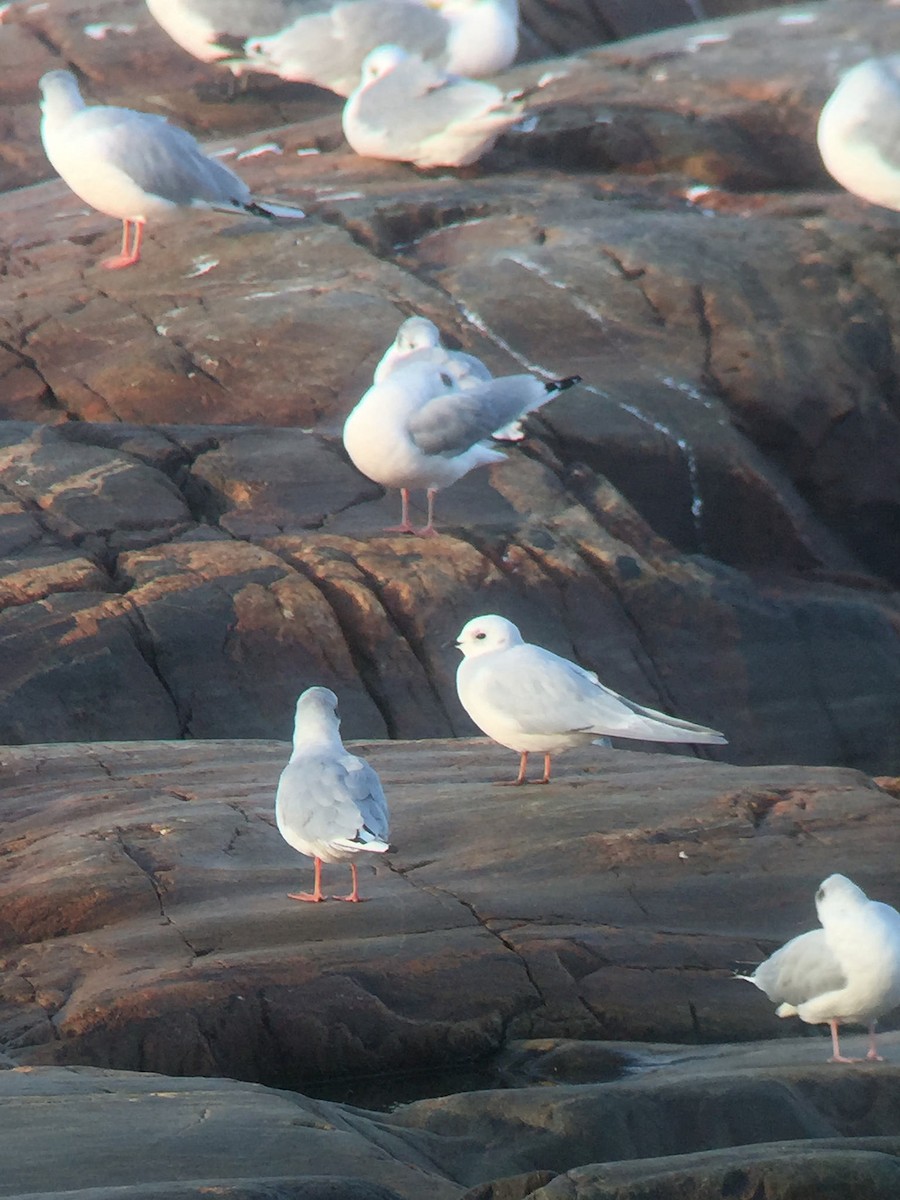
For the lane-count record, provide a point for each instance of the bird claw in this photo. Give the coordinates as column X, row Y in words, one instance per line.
column 873, row 1057
column 405, row 527
column 841, row 1058
column 309, row 897
column 118, row 261
column 351, row 899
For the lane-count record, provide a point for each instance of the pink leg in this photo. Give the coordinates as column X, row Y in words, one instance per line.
column 315, row 896
column 520, row 778
column 546, row 778
column 429, row 529
column 128, row 256
column 873, row 1055
column 405, row 525
column 836, row 1055
column 354, row 897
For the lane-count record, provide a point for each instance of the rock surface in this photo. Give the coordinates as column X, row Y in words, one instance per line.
column 145, row 924
column 712, row 521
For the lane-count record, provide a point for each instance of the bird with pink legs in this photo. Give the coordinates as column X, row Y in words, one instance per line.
column 329, row 804
column 135, row 166
column 845, row 973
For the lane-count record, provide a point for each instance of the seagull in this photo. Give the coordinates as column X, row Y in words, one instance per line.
column 410, row 110
column 329, row 804
column 417, row 334
column 326, row 44
column 859, row 131
column 428, row 423
column 134, row 165
column 198, row 25
column 530, row 699
column 847, row 972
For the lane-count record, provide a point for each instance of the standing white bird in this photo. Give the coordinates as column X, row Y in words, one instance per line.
column 859, row 131
column 327, row 44
column 530, row 699
column 330, row 804
column 427, row 424
column 417, row 334
column 847, row 972
column 409, row 110
column 134, row 165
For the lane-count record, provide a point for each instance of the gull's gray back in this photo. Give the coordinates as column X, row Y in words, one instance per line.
column 449, row 424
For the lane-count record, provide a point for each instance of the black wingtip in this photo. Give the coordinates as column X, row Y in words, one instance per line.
column 560, row 385
column 258, row 211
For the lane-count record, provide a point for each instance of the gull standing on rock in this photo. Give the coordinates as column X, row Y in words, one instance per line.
column 328, row 44
column 330, row 804
column 859, row 131
column 408, row 110
column 134, row 165
column 530, row 699
column 847, row 972
column 427, row 424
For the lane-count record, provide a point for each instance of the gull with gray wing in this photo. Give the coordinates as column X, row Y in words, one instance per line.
column 329, row 805
column 530, row 699
column 135, row 165
column 847, row 972
column 429, row 423
column 859, row 131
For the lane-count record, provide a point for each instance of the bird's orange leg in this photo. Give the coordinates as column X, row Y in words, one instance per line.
column 128, row 255
column 315, row 896
column 836, row 1055
column 405, row 525
column 546, row 778
column 354, row 897
column 520, row 778
column 873, row 1055
column 428, row 530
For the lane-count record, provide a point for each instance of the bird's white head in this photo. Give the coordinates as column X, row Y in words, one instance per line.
column 837, row 897
column 60, row 91
column 316, row 718
column 482, row 635
column 417, row 333
column 381, row 61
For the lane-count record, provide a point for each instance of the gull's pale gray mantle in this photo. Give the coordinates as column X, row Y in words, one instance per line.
column 847, row 972
column 200, row 26
column 134, row 165
column 329, row 804
column 530, row 699
column 859, row 131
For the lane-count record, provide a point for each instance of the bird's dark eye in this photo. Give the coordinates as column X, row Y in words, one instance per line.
column 820, row 895
column 480, row 636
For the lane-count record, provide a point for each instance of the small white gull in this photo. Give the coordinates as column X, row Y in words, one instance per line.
column 847, row 972
column 530, row 699
column 408, row 110
column 198, row 25
column 859, row 131
column 329, row 804
column 134, row 165
column 428, row 424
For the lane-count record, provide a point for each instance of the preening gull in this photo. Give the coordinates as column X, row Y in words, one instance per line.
column 330, row 804
column 134, row 165
column 427, row 424
column 198, row 25
column 327, row 46
column 417, row 334
column 846, row 973
column 859, row 131
column 409, row 110
column 530, row 699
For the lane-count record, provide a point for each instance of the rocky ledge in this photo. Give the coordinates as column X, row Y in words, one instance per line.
column 509, row 936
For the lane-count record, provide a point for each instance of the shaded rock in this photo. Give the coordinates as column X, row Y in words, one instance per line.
column 146, row 925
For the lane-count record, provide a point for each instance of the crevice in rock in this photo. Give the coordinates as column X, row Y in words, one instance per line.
column 146, row 647
column 707, row 374
column 364, row 664
column 400, row 625
column 49, row 399
column 632, row 275
column 144, row 865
